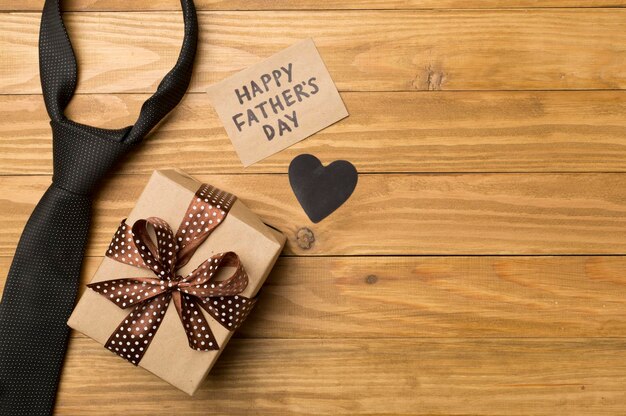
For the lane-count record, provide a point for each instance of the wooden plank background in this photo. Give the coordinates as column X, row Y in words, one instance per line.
column 480, row 267
column 365, row 50
column 159, row 5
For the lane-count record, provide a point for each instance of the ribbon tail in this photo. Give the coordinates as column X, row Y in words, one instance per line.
column 134, row 334
column 196, row 327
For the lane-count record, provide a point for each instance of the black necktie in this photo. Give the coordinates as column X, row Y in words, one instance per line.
column 43, row 280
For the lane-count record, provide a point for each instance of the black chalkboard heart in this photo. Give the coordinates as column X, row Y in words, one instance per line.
column 321, row 190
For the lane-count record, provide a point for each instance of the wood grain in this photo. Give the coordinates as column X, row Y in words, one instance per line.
column 367, row 376
column 488, row 141
column 475, row 214
column 435, row 297
column 364, row 50
column 159, row 5
column 387, row 132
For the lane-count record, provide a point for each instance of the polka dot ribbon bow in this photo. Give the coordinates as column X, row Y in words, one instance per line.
column 150, row 296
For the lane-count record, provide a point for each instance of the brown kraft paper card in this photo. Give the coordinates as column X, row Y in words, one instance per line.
column 278, row 102
column 169, row 356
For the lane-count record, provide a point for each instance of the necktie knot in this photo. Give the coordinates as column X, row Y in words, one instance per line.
column 83, row 155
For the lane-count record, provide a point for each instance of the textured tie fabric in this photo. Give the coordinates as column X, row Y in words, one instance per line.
column 43, row 280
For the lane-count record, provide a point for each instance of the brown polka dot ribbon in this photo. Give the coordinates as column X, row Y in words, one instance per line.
column 201, row 289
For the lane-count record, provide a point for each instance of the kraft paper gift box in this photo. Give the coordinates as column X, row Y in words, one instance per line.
column 169, row 356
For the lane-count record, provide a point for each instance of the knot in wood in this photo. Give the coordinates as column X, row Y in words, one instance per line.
column 305, row 238
column 371, row 279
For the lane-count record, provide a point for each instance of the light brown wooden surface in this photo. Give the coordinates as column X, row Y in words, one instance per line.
column 475, row 214
column 434, row 297
column 564, row 131
column 113, row 5
column 364, row 50
column 479, row 268
column 371, row 376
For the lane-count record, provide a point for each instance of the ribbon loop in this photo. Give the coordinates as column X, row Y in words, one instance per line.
column 203, row 281
column 129, row 292
column 160, row 258
column 203, row 289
